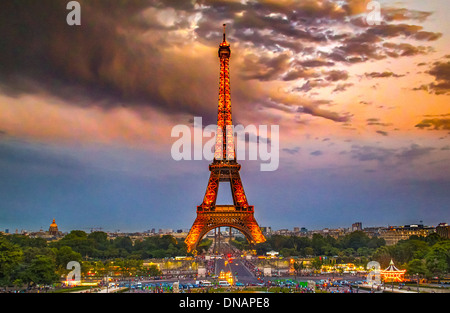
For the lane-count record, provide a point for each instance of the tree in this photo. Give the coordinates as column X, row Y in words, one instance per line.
column 317, row 263
column 41, row 270
column 416, row 266
column 100, row 242
column 25, row 241
column 10, row 258
column 124, row 243
column 355, row 240
column 309, row 251
column 433, row 238
column 318, row 243
column 64, row 255
column 153, row 270
column 78, row 241
column 438, row 259
column 382, row 255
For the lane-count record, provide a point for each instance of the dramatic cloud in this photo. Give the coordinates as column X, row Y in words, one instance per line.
column 336, row 75
column 441, row 73
column 382, row 75
column 435, row 123
column 108, row 61
column 395, row 30
column 389, row 157
column 145, row 53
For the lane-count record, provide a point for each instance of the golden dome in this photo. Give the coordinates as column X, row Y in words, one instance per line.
column 53, row 224
column 53, row 229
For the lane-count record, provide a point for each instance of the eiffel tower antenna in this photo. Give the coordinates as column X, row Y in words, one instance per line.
column 224, row 27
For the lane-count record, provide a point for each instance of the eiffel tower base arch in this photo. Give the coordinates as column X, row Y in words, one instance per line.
column 245, row 222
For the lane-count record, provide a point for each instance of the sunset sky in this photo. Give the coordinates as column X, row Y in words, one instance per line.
column 86, row 112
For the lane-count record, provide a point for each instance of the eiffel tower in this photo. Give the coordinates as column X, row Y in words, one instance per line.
column 224, row 168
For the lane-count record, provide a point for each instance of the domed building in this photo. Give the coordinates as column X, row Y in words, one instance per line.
column 53, row 229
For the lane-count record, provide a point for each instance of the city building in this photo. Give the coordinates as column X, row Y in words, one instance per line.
column 443, row 230
column 267, row 230
column 53, row 229
column 394, row 234
column 374, row 231
column 357, row 226
column 332, row 232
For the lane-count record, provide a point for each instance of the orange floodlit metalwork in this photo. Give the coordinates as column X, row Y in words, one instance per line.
column 224, row 168
column 393, row 274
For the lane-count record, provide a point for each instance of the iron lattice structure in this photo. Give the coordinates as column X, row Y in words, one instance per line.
column 224, row 168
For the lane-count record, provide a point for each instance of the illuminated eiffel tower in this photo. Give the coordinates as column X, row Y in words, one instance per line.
column 224, row 168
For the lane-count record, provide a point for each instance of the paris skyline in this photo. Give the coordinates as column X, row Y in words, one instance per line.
column 86, row 111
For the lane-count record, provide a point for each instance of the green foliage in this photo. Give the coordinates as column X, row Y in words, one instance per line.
column 40, row 270
column 355, row 244
column 96, row 245
column 427, row 256
column 64, row 255
column 25, row 260
column 10, row 258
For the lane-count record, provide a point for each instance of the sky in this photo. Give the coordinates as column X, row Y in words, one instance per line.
column 86, row 111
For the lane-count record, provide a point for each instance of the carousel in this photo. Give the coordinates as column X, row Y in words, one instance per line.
column 392, row 273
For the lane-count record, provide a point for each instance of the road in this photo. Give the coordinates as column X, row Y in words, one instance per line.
column 237, row 268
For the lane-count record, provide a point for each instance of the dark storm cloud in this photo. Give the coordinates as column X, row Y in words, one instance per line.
column 264, row 68
column 404, row 49
column 297, row 105
column 395, row 30
column 269, row 42
column 118, row 56
column 315, row 110
column 315, row 63
column 296, row 26
column 107, row 60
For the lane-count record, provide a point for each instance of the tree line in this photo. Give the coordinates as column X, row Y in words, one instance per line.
column 25, row 260
column 29, row 261
column 427, row 256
